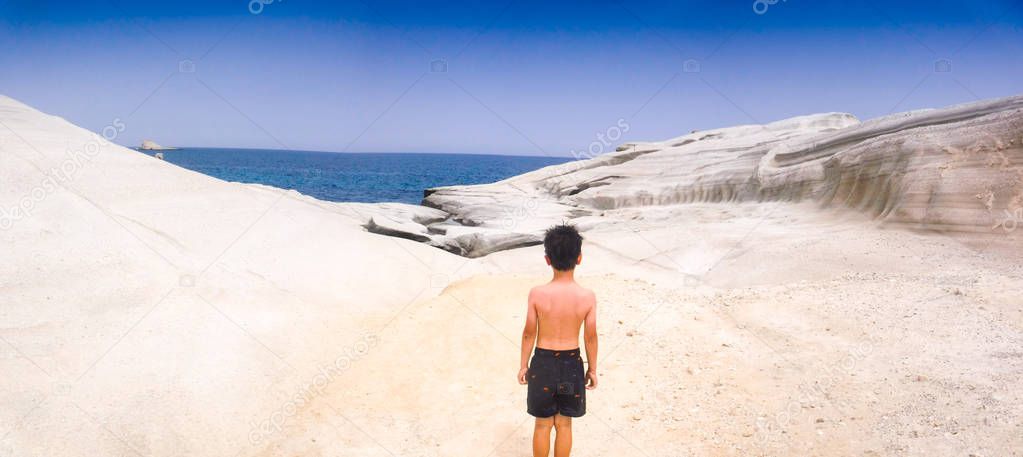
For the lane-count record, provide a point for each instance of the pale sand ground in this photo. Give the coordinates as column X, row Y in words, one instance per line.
column 153, row 311
column 881, row 343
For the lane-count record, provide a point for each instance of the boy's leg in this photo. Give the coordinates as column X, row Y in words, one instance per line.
column 563, row 440
column 542, row 436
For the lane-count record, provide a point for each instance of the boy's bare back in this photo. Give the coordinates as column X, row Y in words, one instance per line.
column 555, row 374
column 561, row 309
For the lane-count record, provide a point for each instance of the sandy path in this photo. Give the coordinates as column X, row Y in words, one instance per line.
column 910, row 345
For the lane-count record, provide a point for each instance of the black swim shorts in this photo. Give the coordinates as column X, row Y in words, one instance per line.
column 557, row 384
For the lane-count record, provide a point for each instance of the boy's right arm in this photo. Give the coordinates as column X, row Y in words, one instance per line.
column 590, row 338
column 528, row 337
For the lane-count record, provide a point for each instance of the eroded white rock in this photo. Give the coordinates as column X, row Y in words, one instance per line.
column 951, row 169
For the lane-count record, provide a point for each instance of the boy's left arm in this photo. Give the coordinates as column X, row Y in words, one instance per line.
column 590, row 337
column 528, row 339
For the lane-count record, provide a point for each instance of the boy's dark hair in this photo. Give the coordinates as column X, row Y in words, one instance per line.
column 562, row 244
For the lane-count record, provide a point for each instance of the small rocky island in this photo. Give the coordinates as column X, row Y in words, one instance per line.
column 150, row 145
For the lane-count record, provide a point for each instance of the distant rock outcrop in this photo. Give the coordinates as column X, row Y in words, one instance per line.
column 150, row 145
column 957, row 169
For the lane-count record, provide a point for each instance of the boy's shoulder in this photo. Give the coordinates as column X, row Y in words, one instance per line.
column 538, row 291
column 588, row 294
column 582, row 291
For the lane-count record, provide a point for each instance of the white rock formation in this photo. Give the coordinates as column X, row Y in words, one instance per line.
column 135, row 294
column 956, row 169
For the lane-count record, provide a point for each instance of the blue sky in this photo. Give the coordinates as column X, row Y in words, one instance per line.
column 521, row 77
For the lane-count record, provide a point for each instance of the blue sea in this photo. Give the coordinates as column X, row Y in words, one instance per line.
column 353, row 177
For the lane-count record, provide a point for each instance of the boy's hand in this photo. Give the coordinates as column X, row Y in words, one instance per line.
column 591, row 380
column 522, row 376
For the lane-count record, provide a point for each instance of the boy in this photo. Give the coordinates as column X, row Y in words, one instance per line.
column 556, row 310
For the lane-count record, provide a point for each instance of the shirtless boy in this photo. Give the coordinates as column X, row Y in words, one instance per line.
column 557, row 385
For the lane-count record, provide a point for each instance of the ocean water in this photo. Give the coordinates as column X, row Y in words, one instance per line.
column 353, row 177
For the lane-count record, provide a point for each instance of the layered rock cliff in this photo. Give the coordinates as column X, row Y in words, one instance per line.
column 955, row 169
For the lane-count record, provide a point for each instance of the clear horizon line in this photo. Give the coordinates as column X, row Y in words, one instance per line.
column 567, row 156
